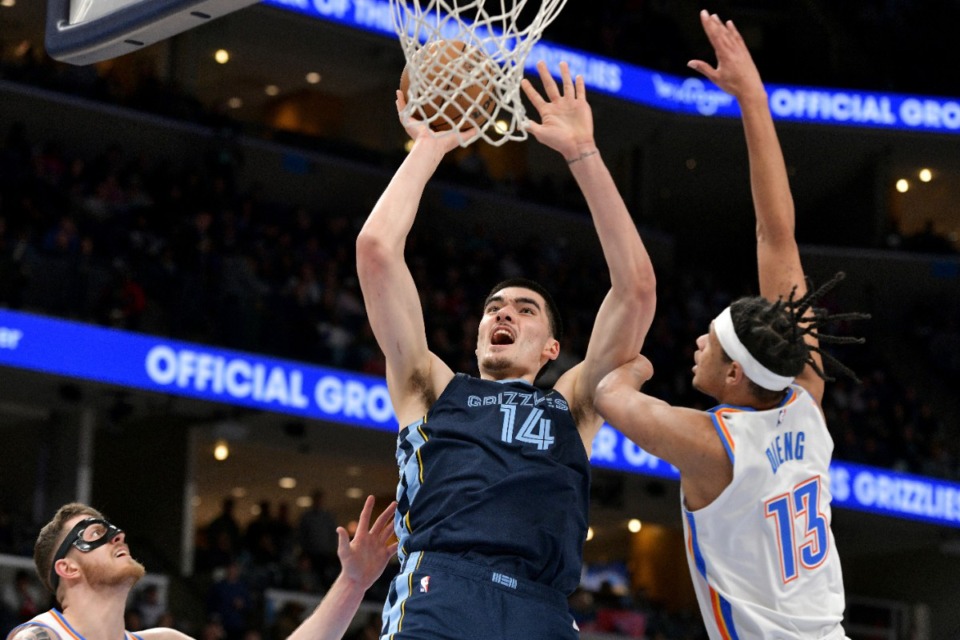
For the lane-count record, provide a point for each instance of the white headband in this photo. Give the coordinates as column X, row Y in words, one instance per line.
column 723, row 327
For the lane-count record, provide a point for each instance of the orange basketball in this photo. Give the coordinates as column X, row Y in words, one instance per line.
column 446, row 65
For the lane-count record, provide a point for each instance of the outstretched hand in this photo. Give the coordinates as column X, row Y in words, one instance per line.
column 566, row 121
column 365, row 557
column 735, row 72
column 419, row 130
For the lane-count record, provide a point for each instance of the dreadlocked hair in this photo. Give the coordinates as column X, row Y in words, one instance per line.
column 774, row 332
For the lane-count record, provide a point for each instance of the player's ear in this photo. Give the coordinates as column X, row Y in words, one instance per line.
column 66, row 568
column 734, row 374
column 551, row 350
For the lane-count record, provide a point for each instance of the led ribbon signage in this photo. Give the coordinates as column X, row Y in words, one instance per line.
column 152, row 363
column 694, row 96
column 858, row 487
column 191, row 370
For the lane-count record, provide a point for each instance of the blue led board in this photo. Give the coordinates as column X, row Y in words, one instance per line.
column 858, row 487
column 152, row 363
column 693, row 96
column 197, row 371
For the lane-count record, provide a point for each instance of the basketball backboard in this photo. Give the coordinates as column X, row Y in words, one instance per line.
column 87, row 31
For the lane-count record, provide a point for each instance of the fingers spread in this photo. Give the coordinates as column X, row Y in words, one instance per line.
column 533, row 128
column 567, row 81
column 364, row 522
column 535, row 98
column 385, row 518
column 703, row 67
column 549, row 84
column 343, row 541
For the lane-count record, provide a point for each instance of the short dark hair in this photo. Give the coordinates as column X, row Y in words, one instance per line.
column 774, row 332
column 553, row 312
column 50, row 538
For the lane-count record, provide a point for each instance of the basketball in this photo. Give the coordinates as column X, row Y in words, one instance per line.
column 456, row 81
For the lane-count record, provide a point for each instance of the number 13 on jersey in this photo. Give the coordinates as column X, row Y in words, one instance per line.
column 799, row 507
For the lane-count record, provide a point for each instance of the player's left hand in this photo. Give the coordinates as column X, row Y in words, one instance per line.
column 735, row 72
column 365, row 557
column 566, row 121
column 634, row 373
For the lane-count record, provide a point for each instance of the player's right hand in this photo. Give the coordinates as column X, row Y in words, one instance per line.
column 420, row 132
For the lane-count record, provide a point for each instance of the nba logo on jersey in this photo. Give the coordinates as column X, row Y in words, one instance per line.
column 424, row 584
column 782, row 416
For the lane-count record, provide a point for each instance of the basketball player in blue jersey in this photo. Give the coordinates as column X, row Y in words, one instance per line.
column 754, row 471
column 494, row 472
column 86, row 564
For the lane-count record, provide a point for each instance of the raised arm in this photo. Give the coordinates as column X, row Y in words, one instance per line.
column 414, row 374
column 778, row 257
column 363, row 559
column 627, row 311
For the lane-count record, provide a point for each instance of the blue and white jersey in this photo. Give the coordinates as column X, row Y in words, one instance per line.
column 762, row 554
column 496, row 473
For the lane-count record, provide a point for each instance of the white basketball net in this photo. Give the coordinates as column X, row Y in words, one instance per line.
column 475, row 82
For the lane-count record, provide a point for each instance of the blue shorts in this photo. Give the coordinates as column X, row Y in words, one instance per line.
column 441, row 597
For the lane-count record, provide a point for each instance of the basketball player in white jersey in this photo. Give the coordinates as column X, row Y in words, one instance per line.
column 85, row 562
column 754, row 470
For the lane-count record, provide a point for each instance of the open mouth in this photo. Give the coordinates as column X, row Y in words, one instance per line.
column 501, row 337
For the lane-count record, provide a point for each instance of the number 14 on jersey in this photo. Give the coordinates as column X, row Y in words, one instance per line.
column 533, row 430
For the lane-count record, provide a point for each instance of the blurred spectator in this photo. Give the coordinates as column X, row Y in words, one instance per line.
column 583, row 608
column 122, row 301
column 168, row 621
column 288, row 619
column 369, row 631
column 259, row 536
column 23, row 597
column 928, row 240
column 281, row 533
column 132, row 620
column 212, row 629
column 223, row 532
column 231, row 601
column 318, row 539
column 147, row 603
column 260, row 540
column 302, row 576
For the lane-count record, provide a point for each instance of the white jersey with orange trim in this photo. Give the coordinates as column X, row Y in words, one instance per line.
column 762, row 554
column 58, row 625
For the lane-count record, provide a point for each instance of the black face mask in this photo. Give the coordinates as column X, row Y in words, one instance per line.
column 86, row 536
